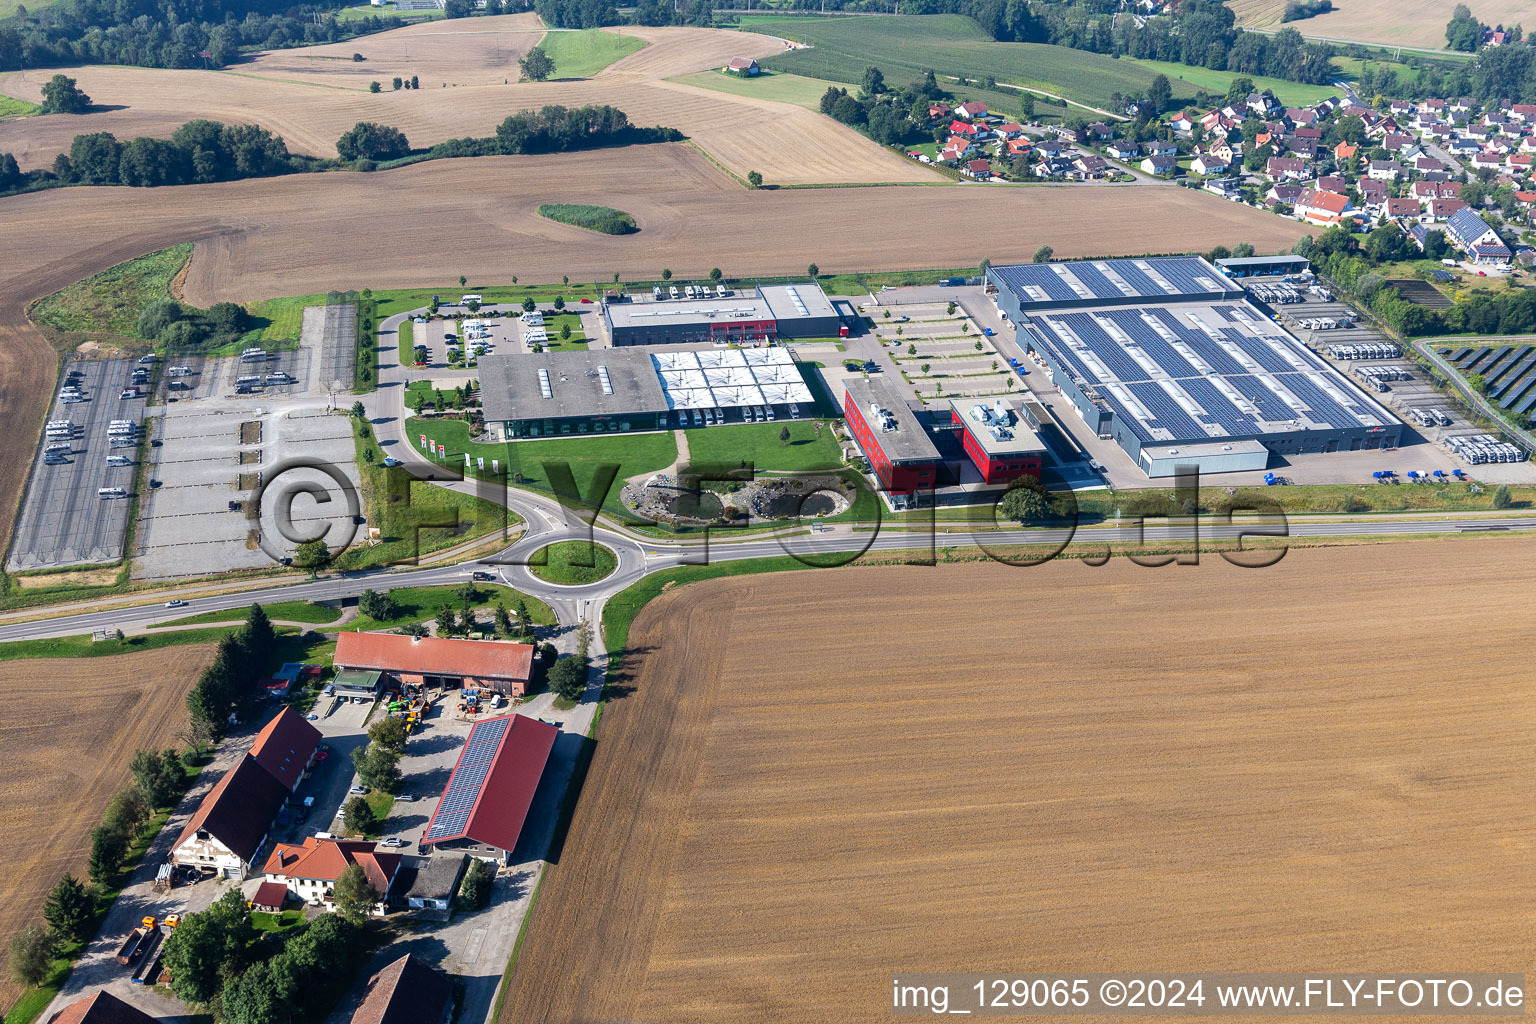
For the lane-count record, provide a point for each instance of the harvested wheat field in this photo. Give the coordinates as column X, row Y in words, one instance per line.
column 1389, row 22
column 1094, row 769
column 70, row 728
column 312, row 95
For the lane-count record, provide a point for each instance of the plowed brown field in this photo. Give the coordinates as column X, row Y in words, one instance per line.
column 1390, row 22
column 70, row 727
column 814, row 785
column 309, row 233
column 312, row 95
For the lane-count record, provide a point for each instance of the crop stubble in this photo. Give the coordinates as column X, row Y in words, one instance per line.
column 1388, row 22
column 1055, row 769
column 70, row 728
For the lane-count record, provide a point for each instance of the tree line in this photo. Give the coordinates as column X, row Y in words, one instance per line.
column 169, row 33
column 228, row 684
column 204, row 151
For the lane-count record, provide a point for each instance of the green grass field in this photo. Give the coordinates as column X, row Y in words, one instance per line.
column 780, row 87
column 369, row 11
column 1292, row 94
column 81, row 646
column 633, row 454
column 602, row 219
column 581, row 53
column 759, row 443
column 109, row 303
column 292, row 611
column 949, row 44
column 284, row 317
column 12, row 107
column 420, row 604
column 566, row 563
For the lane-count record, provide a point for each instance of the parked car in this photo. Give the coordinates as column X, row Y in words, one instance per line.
column 311, row 718
column 358, row 790
column 325, row 835
column 393, row 842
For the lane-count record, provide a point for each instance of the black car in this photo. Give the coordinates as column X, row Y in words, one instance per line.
column 481, row 575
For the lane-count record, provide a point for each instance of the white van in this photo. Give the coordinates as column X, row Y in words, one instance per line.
column 111, row 492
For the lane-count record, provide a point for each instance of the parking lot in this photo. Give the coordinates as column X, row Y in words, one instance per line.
column 64, row 520
column 208, row 455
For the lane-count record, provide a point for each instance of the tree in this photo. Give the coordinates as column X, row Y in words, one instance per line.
column 1159, row 93
column 108, row 848
column 397, row 83
column 784, row 435
column 208, row 947
column 503, row 620
column 522, row 618
column 155, row 781
column 1024, row 501
column 1477, row 382
column 377, row 606
column 814, row 271
column 446, row 624
column 258, row 635
column 415, row 82
column 375, row 87
column 127, row 811
column 31, row 954
column 475, row 889
column 68, row 909
column 715, row 274
column 529, row 305
column 666, row 275
column 911, row 348
column 1027, row 106
column 377, row 767
column 389, row 733
column 312, row 554
column 357, row 818
column 62, row 96
column 353, row 896
column 257, row 995
column 568, row 678
column 873, row 82
column 1501, row 497
column 537, row 65
column 754, row 178
column 368, row 140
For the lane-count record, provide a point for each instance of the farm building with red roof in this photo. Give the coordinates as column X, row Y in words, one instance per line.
column 101, row 1008
column 286, row 746
column 408, row 991
column 487, row 798
column 228, row 831
column 310, row 870
column 501, row 667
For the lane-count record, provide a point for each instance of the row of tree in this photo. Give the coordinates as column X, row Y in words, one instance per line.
column 228, row 683
column 73, row 908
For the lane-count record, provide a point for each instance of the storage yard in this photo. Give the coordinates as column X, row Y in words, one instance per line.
column 66, row 757
column 794, row 841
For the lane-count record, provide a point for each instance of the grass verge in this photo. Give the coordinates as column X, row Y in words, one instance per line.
column 106, row 306
column 80, row 646
column 565, row 563
column 419, row 604
column 10, row 107
column 293, row 611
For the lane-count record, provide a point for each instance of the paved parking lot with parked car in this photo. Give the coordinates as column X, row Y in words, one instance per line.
column 64, row 518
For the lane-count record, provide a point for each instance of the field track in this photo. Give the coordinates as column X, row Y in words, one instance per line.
column 469, row 83
column 1070, row 769
column 71, row 726
column 1388, row 22
column 302, row 234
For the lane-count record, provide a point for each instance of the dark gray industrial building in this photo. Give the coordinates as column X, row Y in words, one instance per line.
column 1167, row 354
column 764, row 314
column 584, row 391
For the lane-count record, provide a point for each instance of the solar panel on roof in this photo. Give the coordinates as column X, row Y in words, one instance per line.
column 1166, row 413
column 1260, row 352
column 1220, row 408
column 1323, row 406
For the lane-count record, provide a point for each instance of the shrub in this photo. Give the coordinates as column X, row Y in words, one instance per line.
column 603, row 219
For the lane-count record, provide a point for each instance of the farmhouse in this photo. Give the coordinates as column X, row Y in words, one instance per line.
column 900, row 453
column 286, row 747
column 310, row 870
column 1133, row 344
column 408, row 991
column 492, row 665
column 101, row 1007
column 228, row 831
column 486, row 801
column 767, row 313
column 1000, row 446
column 744, row 67
column 427, row 884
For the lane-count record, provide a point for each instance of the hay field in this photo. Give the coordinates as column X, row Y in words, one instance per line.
column 311, row 96
column 70, row 728
column 1388, row 22
column 272, row 237
column 1105, row 769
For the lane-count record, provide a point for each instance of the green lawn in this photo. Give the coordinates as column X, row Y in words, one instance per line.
column 581, row 53
column 108, row 304
column 284, row 921
column 633, row 454
column 12, row 107
column 950, row 45
column 407, row 346
column 80, row 646
column 1292, row 94
column 759, row 444
column 420, row 604
column 369, row 11
column 573, row 563
column 781, row 87
column 552, row 325
column 293, row 611
column 284, row 318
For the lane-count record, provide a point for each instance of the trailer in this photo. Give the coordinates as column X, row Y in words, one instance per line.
column 149, row 963
column 132, row 946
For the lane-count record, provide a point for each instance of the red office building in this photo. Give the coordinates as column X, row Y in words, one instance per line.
column 997, row 440
column 895, row 443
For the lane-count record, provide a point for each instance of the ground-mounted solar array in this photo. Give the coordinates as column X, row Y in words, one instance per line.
column 467, row 781
column 1509, row 370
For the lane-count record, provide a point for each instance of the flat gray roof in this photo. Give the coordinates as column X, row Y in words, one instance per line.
column 1019, row 437
column 906, row 441
column 798, row 301
column 671, row 312
column 1198, row 450
column 583, row 382
column 1260, row 261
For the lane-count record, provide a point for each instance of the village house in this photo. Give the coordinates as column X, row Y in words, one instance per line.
column 958, row 148
column 1441, row 209
column 408, row 991
column 228, row 832
column 1285, row 168
column 981, row 170
column 1344, row 154
column 1161, row 147
column 1472, row 235
column 743, row 67
column 1399, row 208
column 1123, row 149
column 1159, row 165
column 1008, row 130
column 286, row 747
column 1383, row 170
column 1182, row 123
column 1285, row 194
column 1372, row 192
column 971, row 110
column 310, row 870
column 938, row 111
column 1208, row 163
column 1321, row 207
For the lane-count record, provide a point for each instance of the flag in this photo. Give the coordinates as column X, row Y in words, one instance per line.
column 480, row 462
column 466, row 460
column 495, row 467
column 423, row 442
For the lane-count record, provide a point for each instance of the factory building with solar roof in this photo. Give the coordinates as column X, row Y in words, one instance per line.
column 1169, row 358
column 487, row 798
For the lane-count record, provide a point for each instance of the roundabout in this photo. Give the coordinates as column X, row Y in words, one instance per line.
column 573, row 563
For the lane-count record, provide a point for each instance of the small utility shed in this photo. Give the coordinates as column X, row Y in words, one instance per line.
column 745, row 67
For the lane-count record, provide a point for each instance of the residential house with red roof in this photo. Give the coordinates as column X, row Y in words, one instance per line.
column 486, row 801
column 958, row 148
column 310, row 870
column 101, row 1007
column 286, row 747
column 500, row 667
column 1344, row 153
column 1397, row 208
column 1424, row 191
column 408, row 991
column 972, row 110
column 228, row 832
column 1009, row 130
column 1321, row 207
column 979, row 169
column 1285, row 168
column 938, row 111
column 1441, row 209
